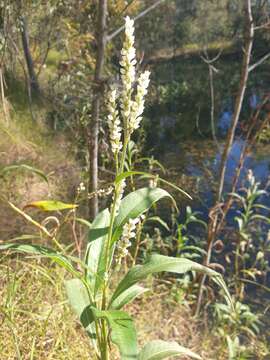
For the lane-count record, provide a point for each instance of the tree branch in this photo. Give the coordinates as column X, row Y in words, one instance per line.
column 259, row 62
column 140, row 15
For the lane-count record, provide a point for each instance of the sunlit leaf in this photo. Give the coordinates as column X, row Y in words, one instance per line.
column 127, row 296
column 50, row 205
column 127, row 174
column 159, row 263
column 135, row 204
column 80, row 303
column 95, row 253
column 158, row 350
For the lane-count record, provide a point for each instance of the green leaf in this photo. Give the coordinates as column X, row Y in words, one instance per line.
column 50, row 205
column 42, row 251
column 159, row 263
column 123, row 333
column 84, row 222
column 80, row 303
column 127, row 174
column 41, row 174
column 158, row 220
column 127, row 296
column 95, row 253
column 135, row 204
column 158, row 350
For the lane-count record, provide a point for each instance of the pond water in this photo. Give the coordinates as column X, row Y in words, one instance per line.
column 194, row 166
column 179, row 126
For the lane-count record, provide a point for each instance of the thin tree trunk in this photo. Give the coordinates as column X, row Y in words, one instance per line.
column 94, row 123
column 215, row 211
column 249, row 35
column 34, row 85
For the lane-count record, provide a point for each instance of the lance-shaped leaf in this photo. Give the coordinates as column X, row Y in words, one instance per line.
column 135, row 204
column 80, row 303
column 127, row 174
column 158, row 263
column 95, row 253
column 158, row 350
column 122, row 330
column 42, row 251
column 127, row 296
column 50, row 205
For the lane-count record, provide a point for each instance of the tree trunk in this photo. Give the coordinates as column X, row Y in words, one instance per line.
column 34, row 86
column 217, row 208
column 249, row 35
column 93, row 130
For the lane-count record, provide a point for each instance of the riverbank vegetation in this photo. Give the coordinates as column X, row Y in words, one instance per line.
column 135, row 183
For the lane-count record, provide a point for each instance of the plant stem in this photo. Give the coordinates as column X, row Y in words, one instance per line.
column 104, row 345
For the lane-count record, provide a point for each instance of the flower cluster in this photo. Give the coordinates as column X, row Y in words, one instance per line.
column 138, row 105
column 101, row 192
column 131, row 110
column 128, row 53
column 129, row 232
column 119, row 196
column 114, row 124
column 128, row 71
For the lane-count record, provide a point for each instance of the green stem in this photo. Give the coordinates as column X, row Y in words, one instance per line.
column 104, row 345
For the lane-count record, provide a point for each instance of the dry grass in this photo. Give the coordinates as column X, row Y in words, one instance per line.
column 22, row 142
column 37, row 323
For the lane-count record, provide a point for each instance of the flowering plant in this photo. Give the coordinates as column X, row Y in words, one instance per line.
column 90, row 291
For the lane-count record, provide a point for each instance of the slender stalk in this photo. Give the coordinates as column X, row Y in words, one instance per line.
column 104, row 347
column 216, row 211
column 93, row 130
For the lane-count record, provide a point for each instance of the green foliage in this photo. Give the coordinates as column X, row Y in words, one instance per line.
column 241, row 320
column 252, row 245
column 135, row 204
column 159, row 263
column 92, row 292
column 95, row 258
column 50, row 205
column 158, row 350
column 123, row 333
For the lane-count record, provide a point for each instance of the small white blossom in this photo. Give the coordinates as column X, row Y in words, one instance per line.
column 101, row 192
column 105, row 192
column 153, row 182
column 120, row 195
column 137, row 107
column 114, row 124
column 81, row 188
column 128, row 71
column 129, row 232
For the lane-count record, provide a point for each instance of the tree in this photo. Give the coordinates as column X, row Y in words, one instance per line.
column 93, row 129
